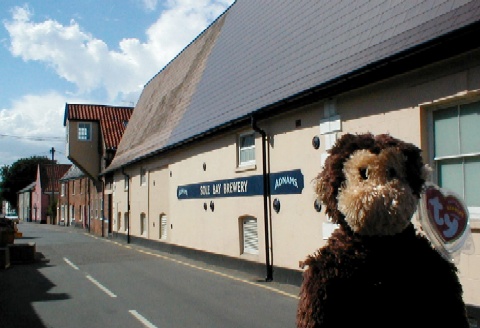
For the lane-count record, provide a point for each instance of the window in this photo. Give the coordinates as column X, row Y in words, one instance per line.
column 246, row 149
column 143, row 224
column 73, row 187
column 457, row 152
column 62, row 213
column 119, row 221
column 126, row 183
column 84, row 131
column 163, row 227
column 125, row 221
column 249, row 235
column 143, row 177
column 72, row 213
column 63, row 189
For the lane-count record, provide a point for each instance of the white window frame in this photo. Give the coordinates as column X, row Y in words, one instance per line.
column 63, row 189
column 473, row 210
column 248, row 148
column 84, row 131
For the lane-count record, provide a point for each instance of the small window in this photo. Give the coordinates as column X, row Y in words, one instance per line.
column 163, row 227
column 126, row 182
column 249, row 235
column 63, row 189
column 73, row 187
column 246, row 149
column 125, row 221
column 143, row 224
column 143, row 177
column 84, row 131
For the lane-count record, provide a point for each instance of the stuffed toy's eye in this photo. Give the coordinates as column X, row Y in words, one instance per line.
column 363, row 173
column 391, row 173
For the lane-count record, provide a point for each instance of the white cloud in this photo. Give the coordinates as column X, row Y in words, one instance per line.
column 89, row 63
column 33, row 126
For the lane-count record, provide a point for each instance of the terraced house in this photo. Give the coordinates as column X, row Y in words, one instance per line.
column 93, row 134
column 223, row 146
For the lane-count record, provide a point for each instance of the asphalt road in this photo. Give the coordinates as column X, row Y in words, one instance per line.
column 79, row 280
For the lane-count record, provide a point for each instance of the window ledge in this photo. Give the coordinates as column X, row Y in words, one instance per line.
column 244, row 168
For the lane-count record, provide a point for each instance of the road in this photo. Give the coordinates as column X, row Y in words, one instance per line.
column 83, row 281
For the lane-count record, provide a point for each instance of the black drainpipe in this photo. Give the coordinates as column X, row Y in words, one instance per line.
column 266, row 193
column 103, row 207
column 128, row 204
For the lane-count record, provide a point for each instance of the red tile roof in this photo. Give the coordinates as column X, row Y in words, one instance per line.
column 112, row 119
column 50, row 174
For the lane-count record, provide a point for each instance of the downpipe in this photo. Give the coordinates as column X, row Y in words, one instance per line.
column 128, row 204
column 266, row 194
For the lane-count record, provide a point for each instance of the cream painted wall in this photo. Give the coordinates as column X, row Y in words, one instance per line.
column 398, row 106
column 159, row 200
column 215, row 231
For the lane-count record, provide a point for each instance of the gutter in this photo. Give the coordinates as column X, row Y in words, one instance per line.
column 266, row 194
column 128, row 204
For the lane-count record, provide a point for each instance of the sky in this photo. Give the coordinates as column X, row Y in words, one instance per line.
column 54, row 52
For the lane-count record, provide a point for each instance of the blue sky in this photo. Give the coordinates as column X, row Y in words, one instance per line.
column 86, row 51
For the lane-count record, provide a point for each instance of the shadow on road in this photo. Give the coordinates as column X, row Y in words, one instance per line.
column 20, row 286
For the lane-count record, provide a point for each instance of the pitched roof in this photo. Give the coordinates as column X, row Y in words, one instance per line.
column 257, row 56
column 27, row 188
column 112, row 119
column 73, row 173
column 50, row 175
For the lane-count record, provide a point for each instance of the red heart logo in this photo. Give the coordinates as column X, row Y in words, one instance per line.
column 446, row 213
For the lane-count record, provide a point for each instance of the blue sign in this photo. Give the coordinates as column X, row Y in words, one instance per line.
column 287, row 182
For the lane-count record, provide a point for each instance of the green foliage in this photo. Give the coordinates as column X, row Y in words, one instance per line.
column 52, row 209
column 19, row 175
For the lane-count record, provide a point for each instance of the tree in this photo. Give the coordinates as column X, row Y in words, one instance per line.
column 19, row 175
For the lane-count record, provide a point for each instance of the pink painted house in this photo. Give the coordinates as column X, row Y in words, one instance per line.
column 46, row 186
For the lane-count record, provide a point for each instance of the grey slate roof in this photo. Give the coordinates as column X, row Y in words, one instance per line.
column 259, row 53
column 73, row 173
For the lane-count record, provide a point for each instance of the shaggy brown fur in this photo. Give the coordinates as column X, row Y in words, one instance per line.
column 376, row 274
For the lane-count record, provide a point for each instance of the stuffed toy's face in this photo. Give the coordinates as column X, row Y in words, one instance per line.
column 371, row 184
column 375, row 197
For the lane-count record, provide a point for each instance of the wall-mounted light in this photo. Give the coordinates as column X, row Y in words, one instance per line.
column 316, row 142
column 205, row 206
column 204, row 166
column 276, row 205
column 212, row 205
column 317, row 205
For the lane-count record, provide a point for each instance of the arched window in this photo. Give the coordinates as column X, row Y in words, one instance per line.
column 163, row 226
column 143, row 224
